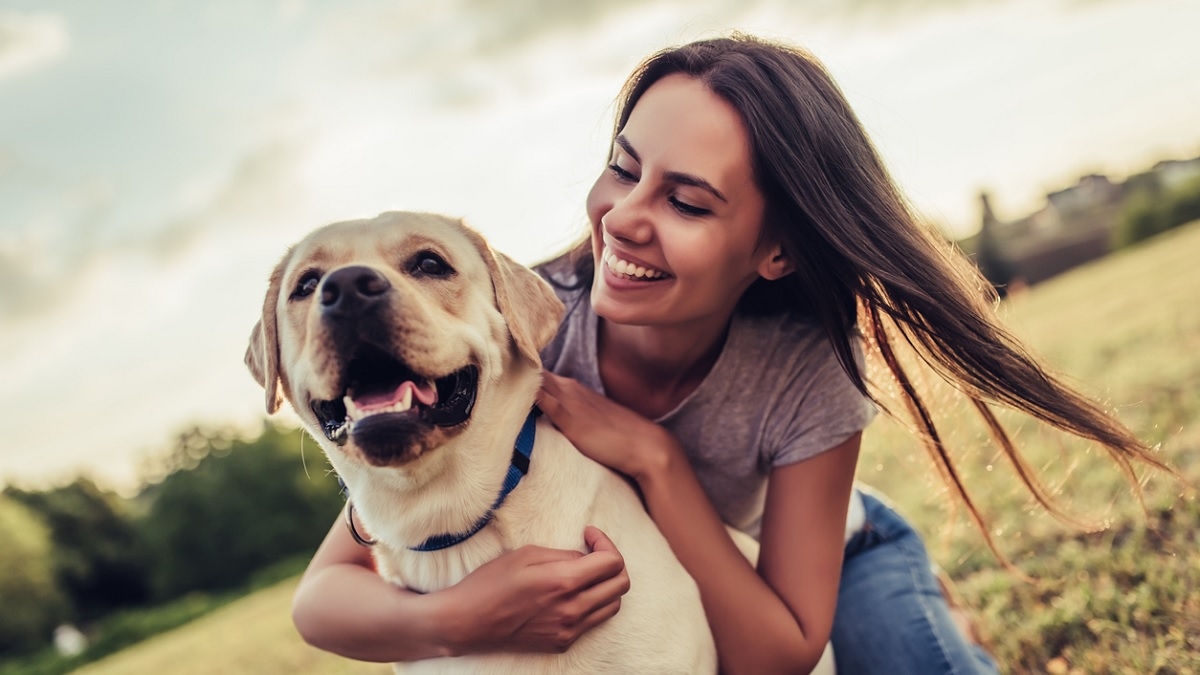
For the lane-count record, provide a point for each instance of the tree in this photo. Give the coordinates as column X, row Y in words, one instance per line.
column 245, row 504
column 32, row 603
column 99, row 558
column 1151, row 210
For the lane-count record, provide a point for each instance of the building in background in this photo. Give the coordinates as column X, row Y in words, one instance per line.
column 1074, row 226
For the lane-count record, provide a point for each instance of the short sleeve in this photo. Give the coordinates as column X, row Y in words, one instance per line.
column 818, row 409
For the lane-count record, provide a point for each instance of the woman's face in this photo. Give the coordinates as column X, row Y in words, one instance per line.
column 676, row 218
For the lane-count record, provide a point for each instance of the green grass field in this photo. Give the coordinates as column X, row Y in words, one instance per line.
column 1125, row 599
column 251, row 635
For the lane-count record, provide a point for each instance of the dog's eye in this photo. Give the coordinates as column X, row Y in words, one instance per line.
column 431, row 264
column 306, row 285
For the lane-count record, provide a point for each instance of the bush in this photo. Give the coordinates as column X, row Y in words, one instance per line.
column 32, row 603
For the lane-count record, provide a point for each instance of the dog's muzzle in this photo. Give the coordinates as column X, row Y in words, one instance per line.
column 384, row 403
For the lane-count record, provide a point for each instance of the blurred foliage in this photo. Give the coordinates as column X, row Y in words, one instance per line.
column 1151, row 210
column 218, row 512
column 227, row 506
column 127, row 627
column 30, row 600
column 99, row 559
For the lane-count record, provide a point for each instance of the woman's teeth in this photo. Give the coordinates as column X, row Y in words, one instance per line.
column 630, row 269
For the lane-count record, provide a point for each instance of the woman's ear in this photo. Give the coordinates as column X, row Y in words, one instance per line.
column 776, row 264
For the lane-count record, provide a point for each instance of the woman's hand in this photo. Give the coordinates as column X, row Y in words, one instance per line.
column 532, row 599
column 605, row 431
column 537, row 599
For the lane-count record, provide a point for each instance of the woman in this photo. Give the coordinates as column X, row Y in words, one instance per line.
column 742, row 236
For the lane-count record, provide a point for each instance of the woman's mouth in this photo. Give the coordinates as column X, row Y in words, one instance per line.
column 630, row 270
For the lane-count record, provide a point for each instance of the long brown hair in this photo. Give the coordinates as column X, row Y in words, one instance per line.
column 863, row 258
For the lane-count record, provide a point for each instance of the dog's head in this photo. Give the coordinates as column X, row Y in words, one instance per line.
column 383, row 333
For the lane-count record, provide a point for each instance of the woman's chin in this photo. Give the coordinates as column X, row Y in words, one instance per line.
column 622, row 310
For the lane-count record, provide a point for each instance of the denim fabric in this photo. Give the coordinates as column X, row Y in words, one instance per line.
column 891, row 615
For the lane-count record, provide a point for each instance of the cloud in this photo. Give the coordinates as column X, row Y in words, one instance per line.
column 438, row 39
column 30, row 41
column 54, row 252
column 262, row 186
column 460, row 51
column 25, row 281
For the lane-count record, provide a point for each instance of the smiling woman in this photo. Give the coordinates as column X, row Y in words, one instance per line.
column 679, row 203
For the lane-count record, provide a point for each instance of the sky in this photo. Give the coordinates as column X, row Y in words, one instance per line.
column 157, row 157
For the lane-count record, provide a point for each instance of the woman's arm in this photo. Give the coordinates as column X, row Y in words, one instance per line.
column 533, row 599
column 775, row 620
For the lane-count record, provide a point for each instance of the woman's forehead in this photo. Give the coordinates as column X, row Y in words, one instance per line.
column 680, row 125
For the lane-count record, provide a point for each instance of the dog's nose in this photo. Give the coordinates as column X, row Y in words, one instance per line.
column 350, row 290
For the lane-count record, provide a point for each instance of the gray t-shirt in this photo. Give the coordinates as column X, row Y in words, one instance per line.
column 775, row 396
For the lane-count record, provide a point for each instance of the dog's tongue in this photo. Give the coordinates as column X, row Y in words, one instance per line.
column 423, row 393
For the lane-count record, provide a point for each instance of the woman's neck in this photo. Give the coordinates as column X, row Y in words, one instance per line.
column 652, row 369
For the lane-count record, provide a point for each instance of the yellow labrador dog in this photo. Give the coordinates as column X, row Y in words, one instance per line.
column 410, row 350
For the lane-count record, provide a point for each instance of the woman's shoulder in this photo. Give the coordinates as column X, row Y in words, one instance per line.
column 772, row 331
column 561, row 271
column 792, row 351
column 568, row 352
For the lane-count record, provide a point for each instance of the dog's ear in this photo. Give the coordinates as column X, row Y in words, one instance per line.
column 530, row 307
column 528, row 304
column 262, row 355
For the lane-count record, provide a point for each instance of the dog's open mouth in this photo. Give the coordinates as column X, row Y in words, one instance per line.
column 381, row 389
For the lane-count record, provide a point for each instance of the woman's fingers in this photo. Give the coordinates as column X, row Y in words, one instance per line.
column 590, row 593
column 599, row 615
column 611, row 580
column 554, row 399
column 550, row 405
column 580, row 571
column 596, row 540
column 606, row 592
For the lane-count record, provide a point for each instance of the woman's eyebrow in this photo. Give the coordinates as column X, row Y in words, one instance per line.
column 628, row 148
column 673, row 176
column 695, row 181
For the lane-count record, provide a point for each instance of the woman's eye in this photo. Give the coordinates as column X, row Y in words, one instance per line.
column 306, row 285
column 687, row 209
column 431, row 264
column 621, row 174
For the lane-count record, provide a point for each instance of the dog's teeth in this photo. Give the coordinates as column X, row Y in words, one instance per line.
column 352, row 411
column 339, row 434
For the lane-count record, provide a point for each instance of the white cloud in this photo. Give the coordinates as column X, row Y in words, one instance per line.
column 30, row 41
column 45, row 261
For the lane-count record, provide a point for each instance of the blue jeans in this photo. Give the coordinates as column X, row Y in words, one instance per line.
column 891, row 614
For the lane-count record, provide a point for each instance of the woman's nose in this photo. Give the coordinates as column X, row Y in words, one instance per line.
column 628, row 220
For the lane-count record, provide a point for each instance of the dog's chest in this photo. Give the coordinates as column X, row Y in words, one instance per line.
column 427, row 571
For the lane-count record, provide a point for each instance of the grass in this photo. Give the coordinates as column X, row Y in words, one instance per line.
column 251, row 635
column 1123, row 599
column 1125, row 596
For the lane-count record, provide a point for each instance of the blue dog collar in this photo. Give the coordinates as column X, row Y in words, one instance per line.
column 517, row 468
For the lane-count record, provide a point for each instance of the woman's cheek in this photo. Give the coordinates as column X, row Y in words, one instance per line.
column 599, row 202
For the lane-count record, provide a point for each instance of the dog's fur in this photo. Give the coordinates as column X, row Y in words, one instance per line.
column 496, row 315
